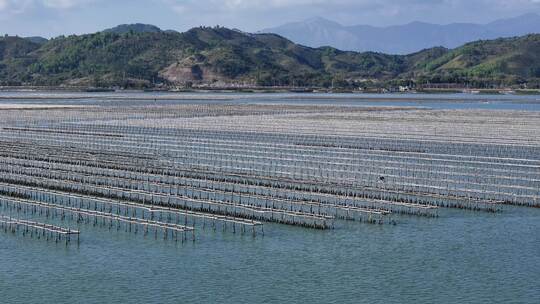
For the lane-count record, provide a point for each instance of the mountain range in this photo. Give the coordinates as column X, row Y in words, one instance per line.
column 402, row 39
column 145, row 56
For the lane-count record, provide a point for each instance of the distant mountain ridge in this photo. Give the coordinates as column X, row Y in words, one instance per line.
column 402, row 39
column 217, row 56
column 37, row 39
column 135, row 28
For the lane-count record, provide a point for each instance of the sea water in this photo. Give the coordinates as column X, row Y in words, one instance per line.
column 459, row 257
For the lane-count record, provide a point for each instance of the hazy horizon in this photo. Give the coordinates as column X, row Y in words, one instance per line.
column 50, row 18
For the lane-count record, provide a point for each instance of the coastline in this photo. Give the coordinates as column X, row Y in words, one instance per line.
column 273, row 90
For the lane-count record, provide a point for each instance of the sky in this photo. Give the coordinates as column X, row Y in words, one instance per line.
column 50, row 18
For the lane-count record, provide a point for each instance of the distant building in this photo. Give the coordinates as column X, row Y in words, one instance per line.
column 404, row 88
column 444, row 86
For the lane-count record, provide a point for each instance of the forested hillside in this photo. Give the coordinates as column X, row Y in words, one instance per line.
column 146, row 56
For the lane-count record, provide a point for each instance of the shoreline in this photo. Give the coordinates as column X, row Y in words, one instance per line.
column 274, row 90
column 218, row 96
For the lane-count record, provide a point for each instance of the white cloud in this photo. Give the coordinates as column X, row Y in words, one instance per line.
column 14, row 6
column 349, row 11
column 19, row 6
column 252, row 4
column 216, row 5
column 63, row 4
column 253, row 15
column 39, row 16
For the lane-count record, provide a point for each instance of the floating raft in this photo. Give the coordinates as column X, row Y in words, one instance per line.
column 173, row 168
column 37, row 229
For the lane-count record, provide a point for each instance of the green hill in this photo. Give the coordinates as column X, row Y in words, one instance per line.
column 15, row 58
column 37, row 39
column 144, row 56
column 135, row 28
column 510, row 60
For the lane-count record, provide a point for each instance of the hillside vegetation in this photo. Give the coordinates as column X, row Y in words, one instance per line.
column 145, row 56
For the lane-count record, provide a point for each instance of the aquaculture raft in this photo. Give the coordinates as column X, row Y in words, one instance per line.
column 36, row 229
column 177, row 168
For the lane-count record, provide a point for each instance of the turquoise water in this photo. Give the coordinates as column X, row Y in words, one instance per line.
column 436, row 101
column 460, row 257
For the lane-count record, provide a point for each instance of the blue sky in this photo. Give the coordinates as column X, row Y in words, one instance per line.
column 54, row 17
